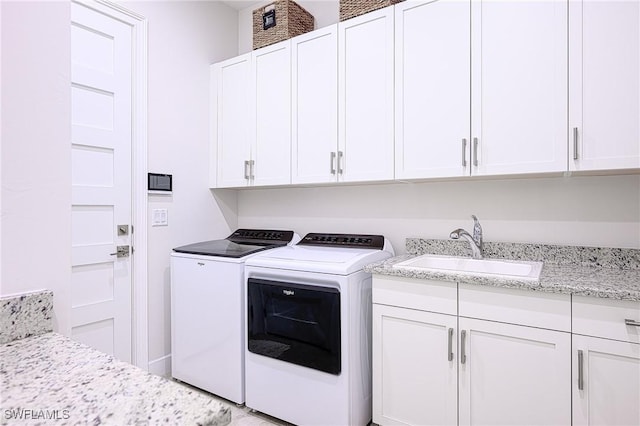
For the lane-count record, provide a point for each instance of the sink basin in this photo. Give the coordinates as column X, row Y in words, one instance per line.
column 465, row 265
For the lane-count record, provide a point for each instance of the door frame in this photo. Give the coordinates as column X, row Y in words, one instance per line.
column 139, row 313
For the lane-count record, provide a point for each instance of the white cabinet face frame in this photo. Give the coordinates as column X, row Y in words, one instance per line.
column 432, row 92
column 271, row 114
column 518, row 87
column 606, row 382
column 415, row 372
column 314, row 102
column 233, row 148
column 604, row 84
column 365, row 97
column 512, row 374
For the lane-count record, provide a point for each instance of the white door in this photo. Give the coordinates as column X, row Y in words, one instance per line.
column 314, row 139
column 604, row 84
column 233, row 133
column 271, row 150
column 433, row 80
column 606, row 382
column 415, row 370
column 513, row 375
column 519, row 86
column 101, row 109
column 365, row 97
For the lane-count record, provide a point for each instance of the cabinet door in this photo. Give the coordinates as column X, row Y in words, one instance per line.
column 271, row 150
column 233, row 136
column 604, row 88
column 414, row 367
column 513, row 375
column 365, row 93
column 606, row 382
column 519, row 86
column 314, row 58
column 432, row 93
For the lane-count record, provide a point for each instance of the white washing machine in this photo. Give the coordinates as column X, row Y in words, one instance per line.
column 308, row 343
column 207, row 309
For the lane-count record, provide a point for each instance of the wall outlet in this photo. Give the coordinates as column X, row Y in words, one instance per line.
column 160, row 217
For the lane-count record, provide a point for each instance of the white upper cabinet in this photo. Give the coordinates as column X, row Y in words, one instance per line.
column 271, row 114
column 314, row 62
column 432, row 92
column 365, row 94
column 604, row 91
column 518, row 86
column 233, row 149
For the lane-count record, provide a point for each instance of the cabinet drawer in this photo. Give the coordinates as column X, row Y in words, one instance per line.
column 605, row 318
column 432, row 296
column 544, row 310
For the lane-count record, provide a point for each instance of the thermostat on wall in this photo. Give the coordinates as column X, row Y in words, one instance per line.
column 159, row 183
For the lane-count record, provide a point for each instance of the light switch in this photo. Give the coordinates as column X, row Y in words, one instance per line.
column 160, row 217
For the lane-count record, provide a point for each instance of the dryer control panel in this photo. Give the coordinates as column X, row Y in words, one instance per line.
column 344, row 240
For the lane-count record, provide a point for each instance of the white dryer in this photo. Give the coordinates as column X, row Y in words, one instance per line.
column 308, row 342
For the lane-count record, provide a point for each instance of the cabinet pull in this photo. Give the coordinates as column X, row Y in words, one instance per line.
column 333, row 163
column 246, row 170
column 252, row 164
column 632, row 322
column 340, row 161
column 450, row 345
column 475, row 152
column 580, row 370
column 464, row 152
column 463, row 347
column 575, row 143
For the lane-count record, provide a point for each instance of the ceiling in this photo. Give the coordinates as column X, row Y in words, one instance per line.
column 240, row 4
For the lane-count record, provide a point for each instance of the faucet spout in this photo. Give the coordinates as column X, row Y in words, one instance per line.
column 475, row 240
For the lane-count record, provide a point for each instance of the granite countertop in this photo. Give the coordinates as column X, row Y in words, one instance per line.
column 584, row 271
column 51, row 379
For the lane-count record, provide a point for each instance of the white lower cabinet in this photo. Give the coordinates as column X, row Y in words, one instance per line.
column 513, row 375
column 606, row 362
column 470, row 362
column 415, row 377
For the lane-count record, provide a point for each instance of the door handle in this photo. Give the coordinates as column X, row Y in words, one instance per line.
column 575, row 143
column 450, row 346
column 632, row 322
column 246, row 170
column 340, row 161
column 580, row 370
column 475, row 152
column 332, row 164
column 464, row 152
column 121, row 251
column 463, row 347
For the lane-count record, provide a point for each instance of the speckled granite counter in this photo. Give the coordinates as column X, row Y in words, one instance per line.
column 585, row 271
column 51, row 379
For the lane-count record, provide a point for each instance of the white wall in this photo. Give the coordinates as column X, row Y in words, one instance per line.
column 591, row 211
column 185, row 37
column 36, row 153
column 325, row 12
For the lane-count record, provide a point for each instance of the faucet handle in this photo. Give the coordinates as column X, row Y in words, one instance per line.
column 477, row 230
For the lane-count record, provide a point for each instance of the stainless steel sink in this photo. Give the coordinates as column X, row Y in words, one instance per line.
column 464, row 265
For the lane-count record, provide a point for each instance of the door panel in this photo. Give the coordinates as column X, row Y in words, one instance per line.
column 101, row 180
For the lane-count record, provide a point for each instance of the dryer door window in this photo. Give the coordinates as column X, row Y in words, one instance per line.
column 295, row 323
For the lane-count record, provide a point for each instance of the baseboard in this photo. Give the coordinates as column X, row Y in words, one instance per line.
column 161, row 366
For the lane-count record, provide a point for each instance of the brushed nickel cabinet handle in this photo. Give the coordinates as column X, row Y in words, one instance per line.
column 580, row 370
column 463, row 347
column 246, row 170
column 333, row 163
column 252, row 169
column 575, row 143
column 340, row 162
column 632, row 322
column 475, row 152
column 450, row 346
column 464, row 152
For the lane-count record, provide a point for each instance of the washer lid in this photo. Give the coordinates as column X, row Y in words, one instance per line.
column 324, row 260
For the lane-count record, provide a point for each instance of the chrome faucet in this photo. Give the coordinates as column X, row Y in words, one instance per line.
column 475, row 241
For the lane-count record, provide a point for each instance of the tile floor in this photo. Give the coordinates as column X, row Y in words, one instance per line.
column 242, row 415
